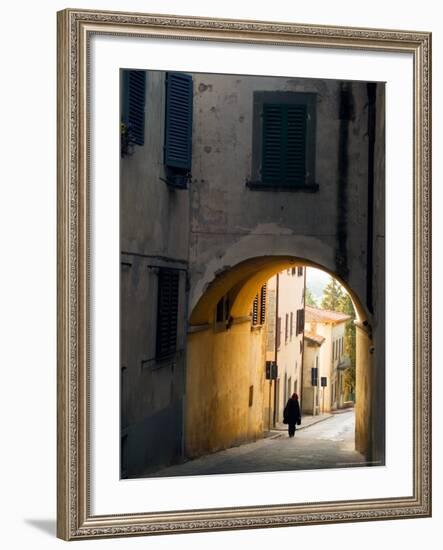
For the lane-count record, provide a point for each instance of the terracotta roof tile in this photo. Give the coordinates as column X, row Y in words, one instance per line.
column 324, row 315
column 316, row 338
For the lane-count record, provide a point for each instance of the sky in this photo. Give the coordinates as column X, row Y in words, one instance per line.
column 316, row 280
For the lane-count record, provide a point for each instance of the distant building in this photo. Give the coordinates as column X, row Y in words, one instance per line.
column 324, row 350
column 285, row 337
column 312, row 343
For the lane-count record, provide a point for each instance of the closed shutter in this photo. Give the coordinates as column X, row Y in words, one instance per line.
column 167, row 312
column 314, row 377
column 255, row 311
column 300, row 320
column 178, row 125
column 278, row 335
column 263, row 305
column 133, row 108
column 284, row 144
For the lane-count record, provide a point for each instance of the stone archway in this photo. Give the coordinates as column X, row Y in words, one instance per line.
column 222, row 364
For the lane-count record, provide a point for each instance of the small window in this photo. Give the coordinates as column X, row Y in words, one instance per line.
column 300, row 321
column 300, row 271
column 284, row 141
column 167, row 312
column 291, row 325
column 286, row 327
column 259, row 308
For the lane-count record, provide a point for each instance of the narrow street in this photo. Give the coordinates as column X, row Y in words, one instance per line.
column 326, row 444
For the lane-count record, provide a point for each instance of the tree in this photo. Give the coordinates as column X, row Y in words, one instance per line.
column 309, row 298
column 332, row 296
column 335, row 298
column 350, row 346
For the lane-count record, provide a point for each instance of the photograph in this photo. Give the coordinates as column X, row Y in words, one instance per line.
column 252, row 273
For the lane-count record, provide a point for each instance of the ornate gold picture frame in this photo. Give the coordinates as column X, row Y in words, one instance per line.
column 75, row 516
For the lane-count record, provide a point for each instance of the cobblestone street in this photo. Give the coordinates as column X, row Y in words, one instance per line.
column 325, row 444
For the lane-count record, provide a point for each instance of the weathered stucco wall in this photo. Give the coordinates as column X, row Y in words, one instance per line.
column 153, row 234
column 225, row 211
column 364, row 415
column 221, row 368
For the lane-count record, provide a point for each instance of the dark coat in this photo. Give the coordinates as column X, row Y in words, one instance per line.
column 291, row 413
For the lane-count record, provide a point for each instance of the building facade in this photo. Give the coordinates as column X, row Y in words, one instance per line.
column 324, row 348
column 312, row 391
column 285, row 336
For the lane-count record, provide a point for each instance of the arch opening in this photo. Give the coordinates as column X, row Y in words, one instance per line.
column 233, row 394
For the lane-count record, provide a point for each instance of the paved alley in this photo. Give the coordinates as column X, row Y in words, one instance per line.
column 326, row 444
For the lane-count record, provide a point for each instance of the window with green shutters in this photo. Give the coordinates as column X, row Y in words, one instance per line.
column 178, row 128
column 283, row 149
column 133, row 110
column 284, row 144
column 167, row 312
column 258, row 313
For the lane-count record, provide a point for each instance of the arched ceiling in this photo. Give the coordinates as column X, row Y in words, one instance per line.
column 244, row 280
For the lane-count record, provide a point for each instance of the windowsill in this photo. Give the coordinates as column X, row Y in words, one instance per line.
column 260, row 186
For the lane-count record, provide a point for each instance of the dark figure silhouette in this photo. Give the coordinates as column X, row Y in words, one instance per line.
column 291, row 414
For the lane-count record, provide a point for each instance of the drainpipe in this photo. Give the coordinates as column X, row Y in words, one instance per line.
column 275, row 355
column 371, row 91
column 345, row 116
column 303, row 341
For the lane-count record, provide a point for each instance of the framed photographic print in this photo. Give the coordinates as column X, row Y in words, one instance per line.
column 244, row 274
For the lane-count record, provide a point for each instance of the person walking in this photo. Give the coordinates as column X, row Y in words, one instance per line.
column 292, row 414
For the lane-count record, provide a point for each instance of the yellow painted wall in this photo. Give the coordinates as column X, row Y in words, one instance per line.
column 364, row 391
column 221, row 366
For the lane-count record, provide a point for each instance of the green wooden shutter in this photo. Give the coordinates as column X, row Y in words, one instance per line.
column 133, row 105
column 284, row 144
column 255, row 311
column 178, row 124
column 167, row 312
column 263, row 304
